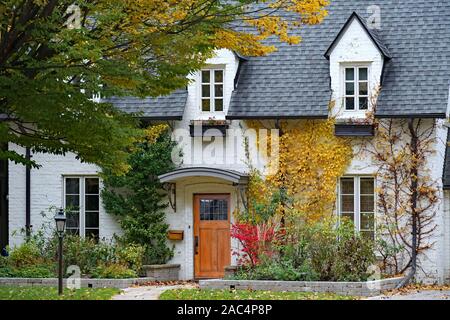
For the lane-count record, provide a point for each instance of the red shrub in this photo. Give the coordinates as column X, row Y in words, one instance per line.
column 255, row 241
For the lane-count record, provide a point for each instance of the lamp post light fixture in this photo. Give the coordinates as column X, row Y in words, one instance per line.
column 60, row 220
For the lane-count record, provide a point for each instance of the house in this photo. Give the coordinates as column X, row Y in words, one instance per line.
column 400, row 47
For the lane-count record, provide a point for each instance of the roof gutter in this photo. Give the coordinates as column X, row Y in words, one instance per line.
column 412, row 116
column 274, row 117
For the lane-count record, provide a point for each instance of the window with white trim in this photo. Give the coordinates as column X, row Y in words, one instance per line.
column 356, row 88
column 82, row 203
column 212, row 90
column 357, row 203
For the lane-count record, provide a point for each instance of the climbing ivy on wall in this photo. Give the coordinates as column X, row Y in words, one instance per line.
column 311, row 159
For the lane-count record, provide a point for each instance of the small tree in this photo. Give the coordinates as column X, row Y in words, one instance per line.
column 136, row 198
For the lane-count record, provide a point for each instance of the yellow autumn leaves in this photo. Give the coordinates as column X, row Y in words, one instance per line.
column 310, row 162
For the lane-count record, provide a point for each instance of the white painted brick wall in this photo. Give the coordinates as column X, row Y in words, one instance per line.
column 46, row 192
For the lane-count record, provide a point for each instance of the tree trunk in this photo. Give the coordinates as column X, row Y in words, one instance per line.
column 414, row 194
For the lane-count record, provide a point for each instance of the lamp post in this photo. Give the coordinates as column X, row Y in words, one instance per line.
column 60, row 220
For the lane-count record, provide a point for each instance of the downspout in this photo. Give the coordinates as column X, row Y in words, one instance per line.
column 28, row 195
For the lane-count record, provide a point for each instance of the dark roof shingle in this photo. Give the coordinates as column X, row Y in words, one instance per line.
column 163, row 107
column 295, row 81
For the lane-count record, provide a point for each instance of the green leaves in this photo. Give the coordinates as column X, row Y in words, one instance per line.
column 137, row 201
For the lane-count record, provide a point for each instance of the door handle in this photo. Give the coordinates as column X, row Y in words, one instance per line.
column 196, row 244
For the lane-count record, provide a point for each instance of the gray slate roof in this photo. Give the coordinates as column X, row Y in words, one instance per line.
column 294, row 81
column 163, row 107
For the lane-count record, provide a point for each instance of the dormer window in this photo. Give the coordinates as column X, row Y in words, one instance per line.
column 212, row 90
column 356, row 88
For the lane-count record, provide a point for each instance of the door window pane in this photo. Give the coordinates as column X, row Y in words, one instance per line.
column 213, row 209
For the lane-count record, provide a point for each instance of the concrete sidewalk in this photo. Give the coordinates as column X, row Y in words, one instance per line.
column 147, row 292
column 417, row 295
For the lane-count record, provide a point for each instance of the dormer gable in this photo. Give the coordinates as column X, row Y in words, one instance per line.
column 371, row 33
column 357, row 58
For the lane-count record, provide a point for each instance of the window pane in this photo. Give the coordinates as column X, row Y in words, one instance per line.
column 367, row 203
column 206, row 105
column 92, row 220
column 206, row 92
column 213, row 210
column 348, row 204
column 72, row 202
column 350, row 103
column 75, row 232
column 218, row 75
column 92, row 203
column 92, row 233
column 219, row 105
column 347, row 216
column 92, row 185
column 347, row 186
column 367, row 186
column 363, row 103
column 368, row 234
column 363, row 90
column 73, row 220
column 72, row 186
column 218, row 90
column 205, row 76
column 367, row 221
column 350, row 88
column 349, row 74
column 363, row 72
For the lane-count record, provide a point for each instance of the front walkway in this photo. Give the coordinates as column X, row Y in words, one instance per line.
column 148, row 292
column 417, row 295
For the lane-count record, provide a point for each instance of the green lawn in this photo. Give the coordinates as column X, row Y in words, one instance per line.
column 51, row 293
column 197, row 294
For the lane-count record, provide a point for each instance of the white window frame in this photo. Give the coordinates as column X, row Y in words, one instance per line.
column 356, row 81
column 82, row 195
column 357, row 199
column 212, row 93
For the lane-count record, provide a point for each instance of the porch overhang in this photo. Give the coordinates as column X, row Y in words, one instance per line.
column 235, row 177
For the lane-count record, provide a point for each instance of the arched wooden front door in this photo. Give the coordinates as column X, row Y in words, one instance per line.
column 212, row 248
